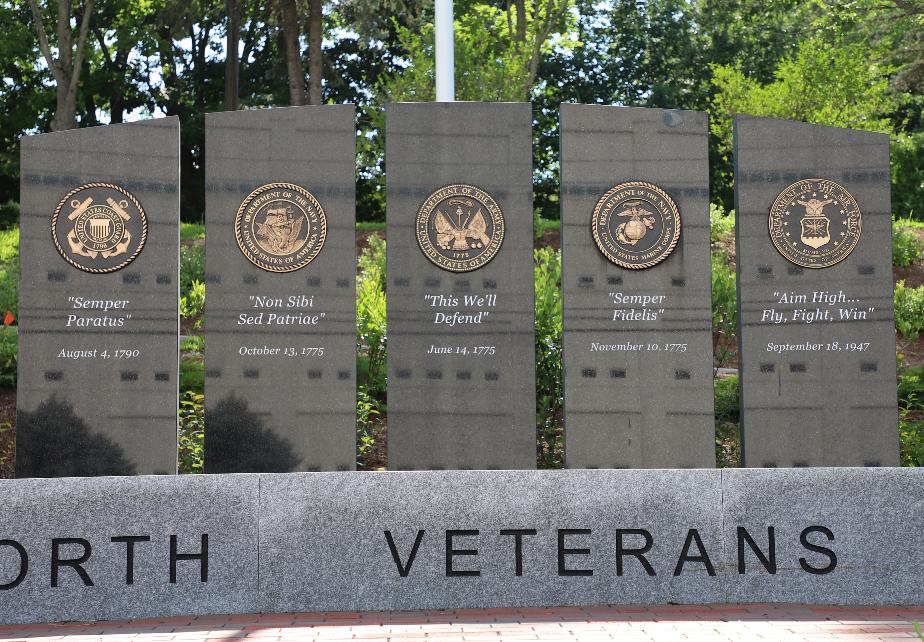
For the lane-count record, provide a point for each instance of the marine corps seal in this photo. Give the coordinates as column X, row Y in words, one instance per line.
column 815, row 223
column 460, row 228
column 280, row 227
column 99, row 228
column 636, row 225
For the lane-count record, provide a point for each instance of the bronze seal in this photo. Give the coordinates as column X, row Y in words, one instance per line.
column 815, row 223
column 636, row 225
column 99, row 227
column 280, row 227
column 460, row 228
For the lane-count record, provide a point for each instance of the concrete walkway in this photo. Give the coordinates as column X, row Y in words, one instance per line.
column 721, row 622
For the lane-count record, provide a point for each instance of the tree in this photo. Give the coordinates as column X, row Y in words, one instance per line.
column 288, row 24
column 315, row 59
column 66, row 68
column 232, row 64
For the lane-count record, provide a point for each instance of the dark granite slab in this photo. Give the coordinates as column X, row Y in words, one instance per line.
column 473, row 407
column 817, row 345
column 638, row 375
column 280, row 346
column 97, row 382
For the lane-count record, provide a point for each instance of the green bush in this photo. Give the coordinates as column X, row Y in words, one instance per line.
column 371, row 319
column 9, row 271
column 911, row 415
column 727, row 429
column 9, row 215
column 192, row 375
column 907, row 247
column 721, row 223
column 9, row 351
column 192, row 231
column 549, row 395
column 193, row 343
column 193, row 303
column 909, row 310
column 724, row 309
column 192, row 266
column 191, row 435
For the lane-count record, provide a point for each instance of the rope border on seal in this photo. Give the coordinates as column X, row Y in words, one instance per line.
column 674, row 240
column 127, row 261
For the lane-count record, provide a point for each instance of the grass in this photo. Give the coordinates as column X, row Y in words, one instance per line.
column 192, row 231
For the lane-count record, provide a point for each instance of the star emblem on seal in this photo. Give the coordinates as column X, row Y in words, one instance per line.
column 636, row 225
column 460, row 228
column 99, row 227
column 815, row 223
column 280, row 227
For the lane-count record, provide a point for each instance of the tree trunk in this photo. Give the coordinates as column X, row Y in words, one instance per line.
column 67, row 66
column 290, row 33
column 232, row 65
column 521, row 20
column 315, row 60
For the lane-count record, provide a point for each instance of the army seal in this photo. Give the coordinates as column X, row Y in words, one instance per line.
column 460, row 228
column 99, row 227
column 815, row 223
column 636, row 225
column 280, row 227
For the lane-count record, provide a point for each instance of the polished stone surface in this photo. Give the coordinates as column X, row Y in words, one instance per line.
column 834, row 406
column 460, row 410
column 88, row 404
column 651, row 406
column 288, row 403
column 92, row 518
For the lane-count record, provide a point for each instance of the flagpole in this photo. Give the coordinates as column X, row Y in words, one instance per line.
column 445, row 52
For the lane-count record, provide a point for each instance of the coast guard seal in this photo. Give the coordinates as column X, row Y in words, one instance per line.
column 99, row 228
column 636, row 225
column 815, row 223
column 280, row 227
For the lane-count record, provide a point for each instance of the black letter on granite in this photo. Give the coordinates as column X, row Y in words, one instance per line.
column 638, row 553
column 693, row 536
column 451, row 552
column 202, row 556
column 23, row 563
column 562, row 551
column 404, row 570
column 518, row 534
column 807, row 545
column 769, row 560
column 57, row 562
column 130, row 553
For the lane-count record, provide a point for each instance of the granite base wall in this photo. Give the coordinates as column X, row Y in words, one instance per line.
column 457, row 539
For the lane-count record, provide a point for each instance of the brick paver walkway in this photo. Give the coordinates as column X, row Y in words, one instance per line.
column 720, row 622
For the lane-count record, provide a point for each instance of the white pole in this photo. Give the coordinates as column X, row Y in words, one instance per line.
column 445, row 53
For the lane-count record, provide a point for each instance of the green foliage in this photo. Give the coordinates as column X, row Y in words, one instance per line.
column 371, row 318
column 192, row 375
column 9, row 351
column 192, row 266
column 191, row 436
column 911, row 415
column 907, row 247
column 368, row 409
column 724, row 309
column 727, row 430
column 192, row 304
column 192, row 231
column 909, row 310
column 549, row 395
column 193, row 343
column 908, row 174
column 9, row 271
column 721, row 223
column 9, row 215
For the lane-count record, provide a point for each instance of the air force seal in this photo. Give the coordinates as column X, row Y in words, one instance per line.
column 99, row 228
column 460, row 228
column 280, row 227
column 815, row 223
column 636, row 225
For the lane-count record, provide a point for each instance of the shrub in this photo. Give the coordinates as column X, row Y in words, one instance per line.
column 727, row 429
column 9, row 214
column 724, row 309
column 193, row 303
column 191, row 435
column 371, row 334
column 721, row 223
column 9, row 351
column 192, row 375
column 909, row 310
column 192, row 266
column 549, row 397
column 907, row 248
